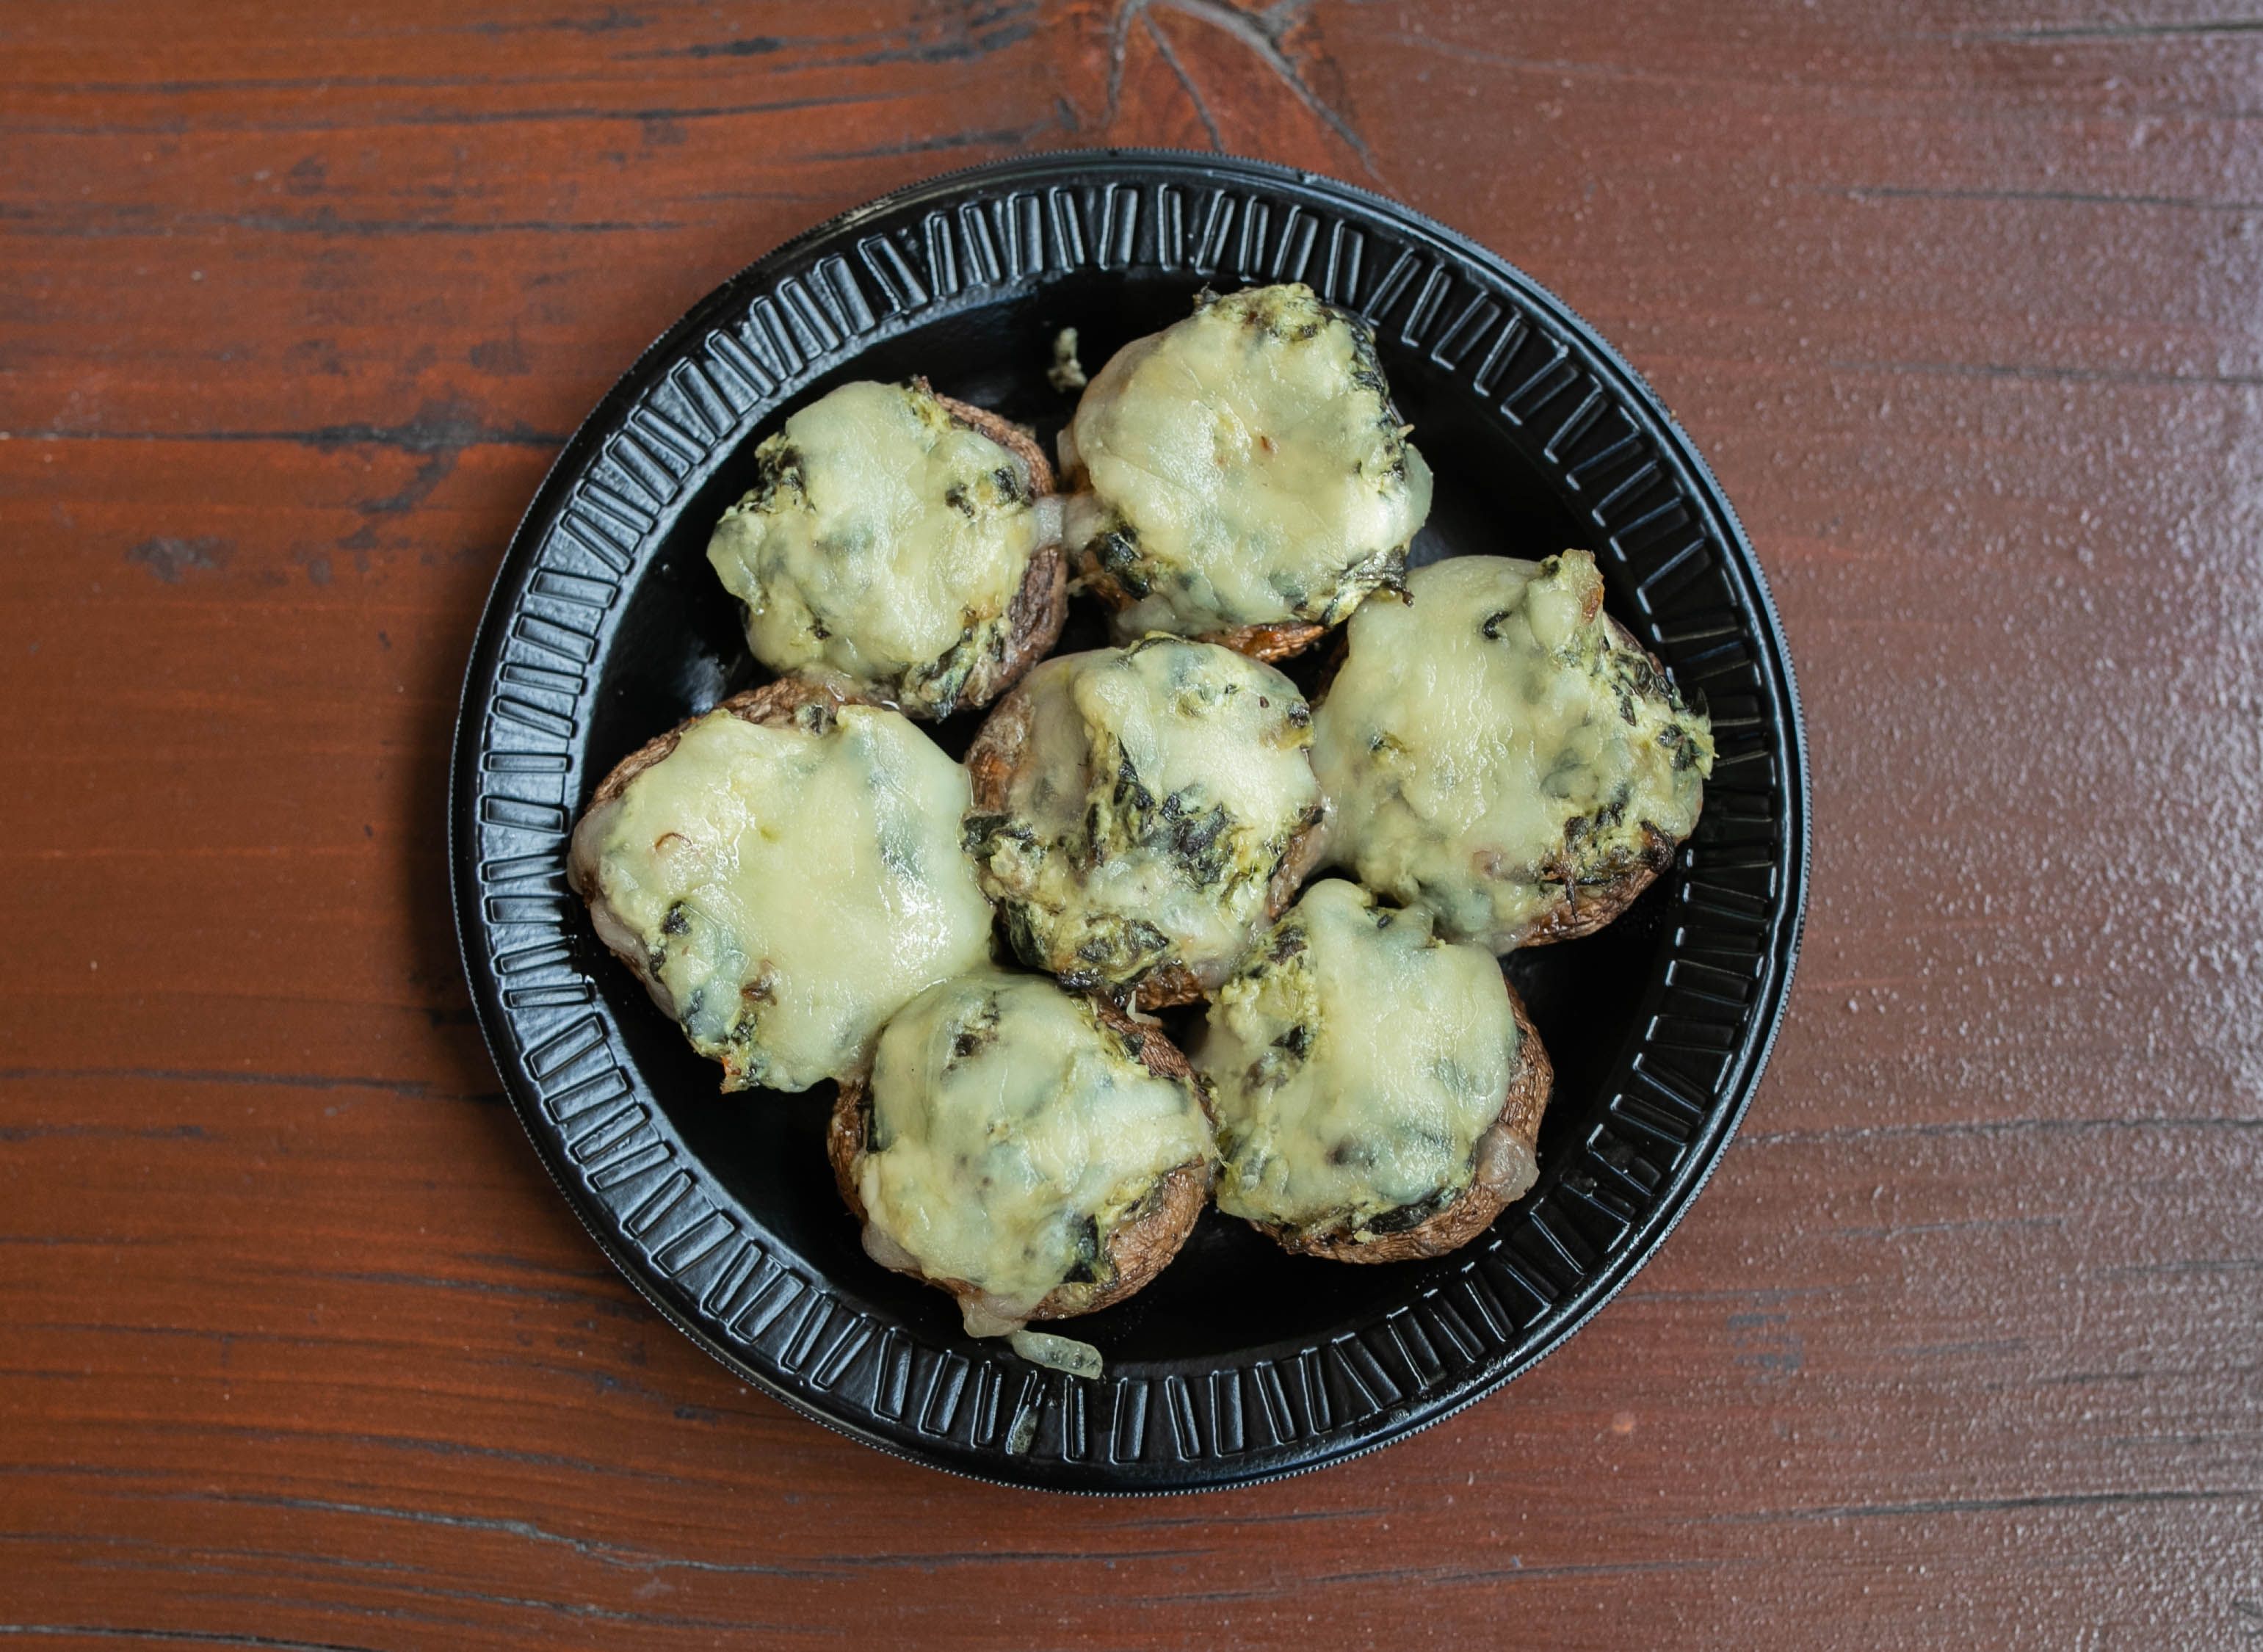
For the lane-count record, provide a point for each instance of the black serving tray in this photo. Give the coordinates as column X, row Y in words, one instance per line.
column 606, row 626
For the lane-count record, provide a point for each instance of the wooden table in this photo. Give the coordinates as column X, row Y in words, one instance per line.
column 1960, row 1347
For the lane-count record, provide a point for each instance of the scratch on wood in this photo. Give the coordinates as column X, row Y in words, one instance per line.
column 1984, row 1127
column 2197, row 1264
column 423, row 434
column 2070, row 197
column 1170, row 57
column 2112, row 31
column 192, row 1637
column 970, row 36
column 1008, row 137
column 1443, row 1576
column 414, row 1089
column 603, row 1554
column 1986, row 1505
column 1975, row 1224
column 1293, row 1517
column 2049, row 374
column 615, row 1303
column 104, row 1132
column 323, row 221
column 473, row 117
column 822, row 1567
column 1262, row 34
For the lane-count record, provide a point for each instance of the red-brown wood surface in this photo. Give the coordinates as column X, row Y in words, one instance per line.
column 299, row 1348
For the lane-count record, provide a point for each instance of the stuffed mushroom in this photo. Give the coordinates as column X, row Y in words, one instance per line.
column 1243, row 476
column 1033, row 1152
column 906, row 543
column 783, row 874
column 1497, row 749
column 1378, row 1090
column 1139, row 813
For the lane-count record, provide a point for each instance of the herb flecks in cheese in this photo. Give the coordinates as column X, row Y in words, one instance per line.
column 1490, row 747
column 1356, row 1060
column 1010, row 1135
column 1161, row 789
column 884, row 540
column 788, row 888
column 1245, row 466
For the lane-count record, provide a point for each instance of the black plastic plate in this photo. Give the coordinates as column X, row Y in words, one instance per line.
column 606, row 627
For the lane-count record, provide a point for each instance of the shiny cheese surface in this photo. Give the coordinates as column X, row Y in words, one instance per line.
column 1161, row 786
column 1011, row 1133
column 1488, row 743
column 1245, row 466
column 1355, row 1059
column 788, row 888
column 884, row 540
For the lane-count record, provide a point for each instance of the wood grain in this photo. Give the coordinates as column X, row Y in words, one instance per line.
column 1959, row 1348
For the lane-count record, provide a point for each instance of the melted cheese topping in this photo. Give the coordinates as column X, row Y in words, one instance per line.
column 884, row 540
column 1011, row 1133
column 1489, row 745
column 787, row 890
column 1161, row 788
column 1355, row 1060
column 1246, row 466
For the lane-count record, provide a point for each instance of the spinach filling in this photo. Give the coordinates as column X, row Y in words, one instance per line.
column 1303, row 379
column 1154, row 864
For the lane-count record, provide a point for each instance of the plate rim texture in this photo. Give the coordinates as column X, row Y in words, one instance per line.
column 1663, row 527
